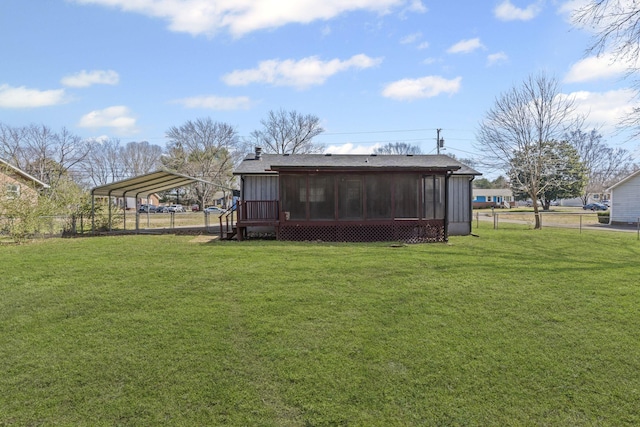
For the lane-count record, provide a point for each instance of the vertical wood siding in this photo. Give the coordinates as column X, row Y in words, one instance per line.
column 459, row 208
column 260, row 187
column 625, row 200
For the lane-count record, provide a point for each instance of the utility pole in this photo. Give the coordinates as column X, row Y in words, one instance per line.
column 439, row 141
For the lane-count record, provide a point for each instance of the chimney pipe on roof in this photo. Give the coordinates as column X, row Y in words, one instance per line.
column 258, row 153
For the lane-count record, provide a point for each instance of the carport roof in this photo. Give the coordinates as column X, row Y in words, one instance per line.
column 145, row 184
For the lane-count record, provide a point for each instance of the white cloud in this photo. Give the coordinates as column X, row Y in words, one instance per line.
column 240, row 17
column 594, row 68
column 423, row 45
column 87, row 78
column 22, row 97
column 604, row 109
column 496, row 58
column 506, row 11
column 101, row 139
column 425, row 87
column 414, row 6
column 117, row 117
column 299, row 74
column 466, row 46
column 218, row 103
column 350, row 148
column 411, row 38
column 570, row 6
column 430, row 61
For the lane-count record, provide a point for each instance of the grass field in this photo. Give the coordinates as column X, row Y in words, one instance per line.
column 515, row 327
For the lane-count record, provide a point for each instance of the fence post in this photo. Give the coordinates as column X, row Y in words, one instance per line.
column 580, row 223
column 495, row 222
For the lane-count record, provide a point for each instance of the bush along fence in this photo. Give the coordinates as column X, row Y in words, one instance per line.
column 18, row 229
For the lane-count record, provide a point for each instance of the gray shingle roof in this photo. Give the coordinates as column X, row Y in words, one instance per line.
column 252, row 166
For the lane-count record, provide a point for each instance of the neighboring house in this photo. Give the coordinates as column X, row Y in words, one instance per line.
column 492, row 197
column 591, row 198
column 15, row 182
column 413, row 198
column 134, row 204
column 625, row 200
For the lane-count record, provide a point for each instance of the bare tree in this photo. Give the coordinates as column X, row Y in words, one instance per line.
column 515, row 130
column 43, row 153
column 103, row 164
column 288, row 133
column 603, row 163
column 202, row 149
column 398, row 148
column 11, row 139
column 616, row 28
column 139, row 158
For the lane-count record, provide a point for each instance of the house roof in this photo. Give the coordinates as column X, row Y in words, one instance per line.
column 8, row 166
column 622, row 181
column 492, row 192
column 272, row 163
column 145, row 184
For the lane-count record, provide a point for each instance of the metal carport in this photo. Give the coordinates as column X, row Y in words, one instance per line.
column 141, row 185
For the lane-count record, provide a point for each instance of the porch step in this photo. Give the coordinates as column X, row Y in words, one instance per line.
column 229, row 235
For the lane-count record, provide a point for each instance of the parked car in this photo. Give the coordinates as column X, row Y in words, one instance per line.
column 162, row 209
column 214, row 210
column 595, row 207
column 195, row 208
column 175, row 208
column 147, row 208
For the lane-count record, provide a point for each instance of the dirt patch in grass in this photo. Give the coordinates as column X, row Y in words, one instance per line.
column 203, row 238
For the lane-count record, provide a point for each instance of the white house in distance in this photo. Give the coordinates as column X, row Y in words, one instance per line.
column 625, row 200
column 492, row 197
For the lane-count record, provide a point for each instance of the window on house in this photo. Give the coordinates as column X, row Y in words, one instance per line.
column 433, row 197
column 321, row 197
column 406, row 196
column 294, row 195
column 378, row 192
column 350, row 198
column 13, row 191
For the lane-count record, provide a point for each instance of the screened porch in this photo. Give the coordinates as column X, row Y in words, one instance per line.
column 353, row 206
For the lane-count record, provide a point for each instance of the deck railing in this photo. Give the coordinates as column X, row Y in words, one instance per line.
column 257, row 210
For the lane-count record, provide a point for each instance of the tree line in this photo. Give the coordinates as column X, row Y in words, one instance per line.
column 534, row 134
column 202, row 148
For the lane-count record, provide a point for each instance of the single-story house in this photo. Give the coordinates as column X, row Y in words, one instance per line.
column 355, row 198
column 492, row 197
column 15, row 182
column 625, row 200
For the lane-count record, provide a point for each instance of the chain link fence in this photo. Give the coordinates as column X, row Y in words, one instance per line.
column 573, row 220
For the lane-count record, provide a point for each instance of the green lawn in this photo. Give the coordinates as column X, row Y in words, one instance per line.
column 515, row 327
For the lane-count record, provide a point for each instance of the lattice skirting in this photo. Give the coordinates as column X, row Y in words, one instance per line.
column 405, row 231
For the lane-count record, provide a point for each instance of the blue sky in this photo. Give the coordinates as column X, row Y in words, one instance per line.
column 373, row 71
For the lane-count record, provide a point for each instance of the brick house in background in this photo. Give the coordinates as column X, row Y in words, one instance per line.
column 15, row 182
